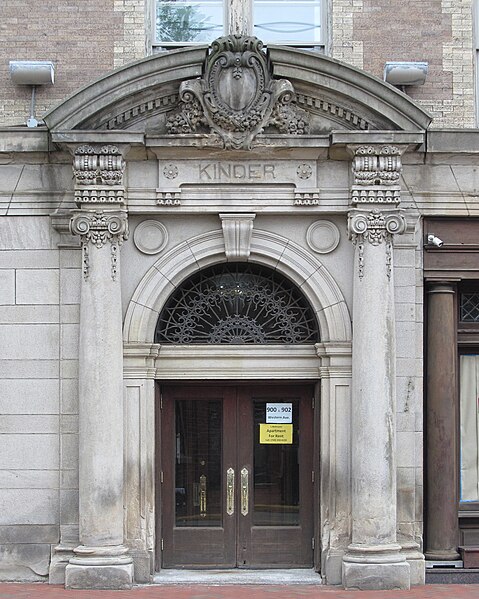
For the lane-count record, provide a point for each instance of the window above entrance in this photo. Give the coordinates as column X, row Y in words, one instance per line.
column 296, row 22
column 237, row 304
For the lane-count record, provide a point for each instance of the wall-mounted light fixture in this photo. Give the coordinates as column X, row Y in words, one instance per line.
column 402, row 74
column 34, row 73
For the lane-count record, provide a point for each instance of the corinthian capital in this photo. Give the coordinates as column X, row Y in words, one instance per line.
column 375, row 227
column 98, row 228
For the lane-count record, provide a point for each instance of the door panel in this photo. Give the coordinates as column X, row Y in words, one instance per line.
column 195, row 424
column 277, row 530
column 233, row 492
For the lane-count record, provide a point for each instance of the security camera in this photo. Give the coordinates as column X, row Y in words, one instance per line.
column 433, row 240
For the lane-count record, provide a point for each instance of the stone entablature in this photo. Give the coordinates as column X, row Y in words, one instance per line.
column 296, row 179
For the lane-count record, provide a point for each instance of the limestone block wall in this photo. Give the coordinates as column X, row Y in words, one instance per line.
column 409, row 383
column 31, row 455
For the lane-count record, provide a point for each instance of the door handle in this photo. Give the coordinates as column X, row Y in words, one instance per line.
column 202, row 496
column 230, row 491
column 244, row 491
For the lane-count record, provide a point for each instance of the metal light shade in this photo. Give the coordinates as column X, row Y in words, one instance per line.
column 405, row 73
column 32, row 72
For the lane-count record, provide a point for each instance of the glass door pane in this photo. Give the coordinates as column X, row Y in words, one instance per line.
column 276, row 463
column 198, row 449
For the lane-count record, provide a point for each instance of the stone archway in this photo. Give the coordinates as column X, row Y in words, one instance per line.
column 268, row 249
column 328, row 362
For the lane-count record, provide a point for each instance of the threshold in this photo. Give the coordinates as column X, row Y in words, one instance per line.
column 238, row 576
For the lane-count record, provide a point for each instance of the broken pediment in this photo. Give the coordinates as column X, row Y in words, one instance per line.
column 234, row 91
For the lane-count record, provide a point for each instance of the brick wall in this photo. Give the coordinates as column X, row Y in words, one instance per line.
column 368, row 33
column 84, row 39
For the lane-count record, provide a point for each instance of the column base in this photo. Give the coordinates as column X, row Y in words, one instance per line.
column 372, row 568
column 415, row 559
column 442, row 555
column 101, row 568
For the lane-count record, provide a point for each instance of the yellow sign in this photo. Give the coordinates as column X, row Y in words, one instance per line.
column 276, row 433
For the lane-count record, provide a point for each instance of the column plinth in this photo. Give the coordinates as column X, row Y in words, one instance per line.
column 101, row 560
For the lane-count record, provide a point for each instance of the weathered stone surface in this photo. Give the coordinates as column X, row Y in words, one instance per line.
column 28, row 506
column 24, row 562
column 119, row 577
column 37, row 286
column 376, row 576
column 20, row 452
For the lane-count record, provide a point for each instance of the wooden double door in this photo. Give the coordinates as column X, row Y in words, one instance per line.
column 236, row 479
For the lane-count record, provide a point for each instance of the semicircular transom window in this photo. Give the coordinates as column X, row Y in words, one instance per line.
column 237, row 303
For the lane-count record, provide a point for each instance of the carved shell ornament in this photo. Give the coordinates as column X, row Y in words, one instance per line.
column 237, row 96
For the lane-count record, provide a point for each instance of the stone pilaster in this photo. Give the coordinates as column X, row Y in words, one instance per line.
column 101, row 561
column 373, row 559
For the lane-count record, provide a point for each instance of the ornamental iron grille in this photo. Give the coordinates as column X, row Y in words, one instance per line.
column 237, row 303
column 470, row 307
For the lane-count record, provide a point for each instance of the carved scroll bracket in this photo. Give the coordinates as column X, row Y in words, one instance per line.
column 96, row 228
column 237, row 233
column 98, row 172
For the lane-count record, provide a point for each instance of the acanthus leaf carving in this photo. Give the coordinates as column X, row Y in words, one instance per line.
column 98, row 228
column 375, row 227
column 237, row 96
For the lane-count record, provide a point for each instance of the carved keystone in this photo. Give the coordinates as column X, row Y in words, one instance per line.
column 237, row 233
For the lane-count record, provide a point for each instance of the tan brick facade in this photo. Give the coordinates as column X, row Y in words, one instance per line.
column 84, row 40
column 88, row 39
column 368, row 33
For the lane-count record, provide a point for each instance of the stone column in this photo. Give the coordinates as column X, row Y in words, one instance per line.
column 101, row 560
column 442, row 525
column 373, row 559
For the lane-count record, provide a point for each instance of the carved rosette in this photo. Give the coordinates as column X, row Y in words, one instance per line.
column 237, row 96
column 98, row 228
column 98, row 175
column 377, row 171
column 375, row 227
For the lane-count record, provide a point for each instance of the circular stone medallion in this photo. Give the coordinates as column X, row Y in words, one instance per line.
column 323, row 236
column 150, row 236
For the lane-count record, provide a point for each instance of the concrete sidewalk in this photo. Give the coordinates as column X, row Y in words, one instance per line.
column 187, row 591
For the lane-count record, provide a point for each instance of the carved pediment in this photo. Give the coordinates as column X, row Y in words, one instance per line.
column 237, row 90
column 237, row 96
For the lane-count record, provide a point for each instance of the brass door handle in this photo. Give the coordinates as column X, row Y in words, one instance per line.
column 244, row 491
column 230, row 491
column 202, row 496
